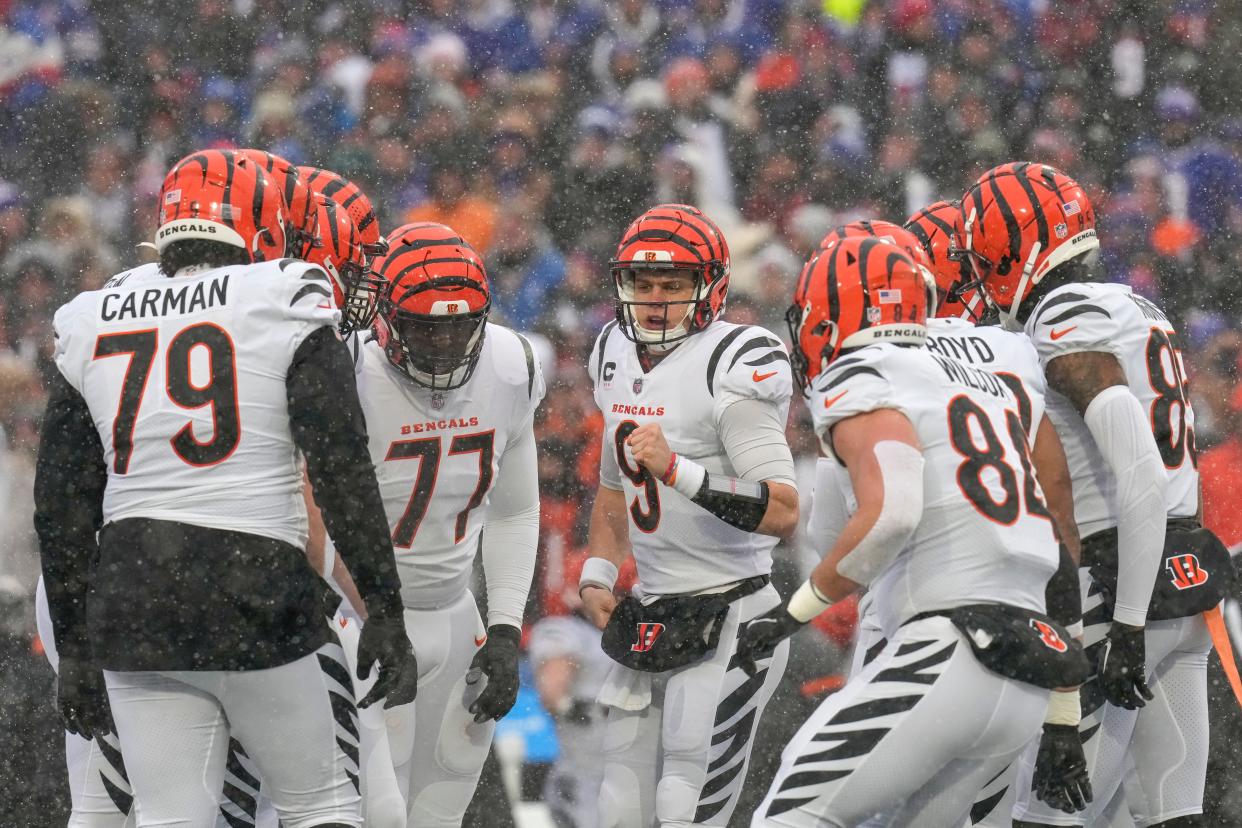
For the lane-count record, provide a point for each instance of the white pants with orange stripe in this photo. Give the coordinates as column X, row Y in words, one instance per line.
column 437, row 749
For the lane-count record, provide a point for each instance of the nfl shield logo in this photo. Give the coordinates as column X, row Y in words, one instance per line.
column 437, row 401
column 1061, row 230
column 638, row 385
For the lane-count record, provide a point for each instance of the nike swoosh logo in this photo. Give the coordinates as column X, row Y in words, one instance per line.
column 1058, row 334
column 478, row 642
column 828, row 403
column 758, row 377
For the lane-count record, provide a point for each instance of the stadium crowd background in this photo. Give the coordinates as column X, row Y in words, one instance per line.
column 539, row 128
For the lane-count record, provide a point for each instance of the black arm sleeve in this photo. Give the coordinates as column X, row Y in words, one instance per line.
column 739, row 503
column 329, row 428
column 70, row 478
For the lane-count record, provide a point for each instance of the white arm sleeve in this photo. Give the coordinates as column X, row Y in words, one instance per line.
column 831, row 505
column 753, row 434
column 901, row 470
column 1123, row 436
column 511, row 532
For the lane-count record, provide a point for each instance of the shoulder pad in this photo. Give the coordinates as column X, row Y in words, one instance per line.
column 749, row 362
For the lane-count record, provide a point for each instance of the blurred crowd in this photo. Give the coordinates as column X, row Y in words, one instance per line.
column 539, row 128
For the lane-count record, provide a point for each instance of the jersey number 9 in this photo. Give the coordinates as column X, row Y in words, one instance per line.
column 649, row 518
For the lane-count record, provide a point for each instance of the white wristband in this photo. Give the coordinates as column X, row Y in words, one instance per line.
column 1064, row 708
column 688, row 477
column 807, row 603
column 599, row 572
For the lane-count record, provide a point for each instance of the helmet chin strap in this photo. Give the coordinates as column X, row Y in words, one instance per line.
column 1009, row 318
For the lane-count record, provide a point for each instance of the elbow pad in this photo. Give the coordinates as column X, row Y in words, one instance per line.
column 901, row 470
column 739, row 503
column 1123, row 436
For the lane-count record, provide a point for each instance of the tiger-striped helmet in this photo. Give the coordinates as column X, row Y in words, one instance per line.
column 958, row 294
column 1019, row 221
column 216, row 195
column 895, row 234
column 858, row 291
column 671, row 237
column 351, row 197
column 434, row 305
column 301, row 227
column 339, row 252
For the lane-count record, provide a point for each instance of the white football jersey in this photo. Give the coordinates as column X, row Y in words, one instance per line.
column 1112, row 319
column 985, row 534
column 1009, row 355
column 437, row 453
column 185, row 379
column 679, row 547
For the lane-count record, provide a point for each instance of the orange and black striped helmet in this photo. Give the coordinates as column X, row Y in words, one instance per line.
column 434, row 304
column 856, row 291
column 671, row 237
column 895, row 234
column 303, row 211
column 339, row 252
column 219, row 196
column 351, row 197
column 1019, row 221
column 957, row 293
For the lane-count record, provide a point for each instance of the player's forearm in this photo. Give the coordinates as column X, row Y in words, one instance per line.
column 608, row 535
column 887, row 477
column 780, row 519
column 1124, row 438
column 1052, row 471
column 70, row 478
column 345, row 582
column 328, row 427
column 511, row 532
column 509, row 547
column 829, row 506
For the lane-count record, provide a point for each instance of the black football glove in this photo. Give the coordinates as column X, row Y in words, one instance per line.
column 1061, row 778
column 384, row 641
column 761, row 636
column 498, row 660
column 1122, row 669
column 82, row 697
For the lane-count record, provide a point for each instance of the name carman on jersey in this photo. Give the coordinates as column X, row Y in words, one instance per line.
column 171, row 300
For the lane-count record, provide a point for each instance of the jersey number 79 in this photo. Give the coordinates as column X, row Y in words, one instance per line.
column 219, row 392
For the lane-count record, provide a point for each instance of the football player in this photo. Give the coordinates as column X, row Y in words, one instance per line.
column 302, row 229
column 99, row 790
column 1118, row 396
column 350, row 197
column 966, row 328
column 450, row 402
column 339, row 251
column 697, row 482
column 957, row 565
column 181, row 399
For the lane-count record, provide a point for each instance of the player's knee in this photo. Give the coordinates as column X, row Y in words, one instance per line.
column 620, row 799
